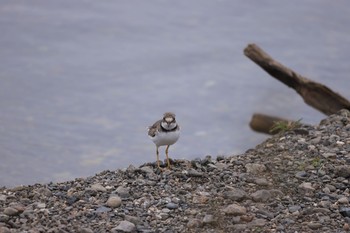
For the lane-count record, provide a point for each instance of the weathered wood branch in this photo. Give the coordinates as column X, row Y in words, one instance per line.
column 265, row 124
column 314, row 94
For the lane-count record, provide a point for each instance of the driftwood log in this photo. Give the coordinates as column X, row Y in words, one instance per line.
column 266, row 124
column 314, row 94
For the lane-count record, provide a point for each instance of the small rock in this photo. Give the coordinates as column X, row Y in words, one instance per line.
column 194, row 173
column 102, row 209
column 125, row 226
column 235, row 210
column 85, row 230
column 165, row 210
column 331, row 188
column 3, row 197
column 261, row 182
column 209, row 219
column 9, row 211
column 314, row 225
column 147, row 169
column 235, row 194
column 345, row 212
column 123, row 192
column 330, row 155
column 41, row 205
column 258, row 222
column 294, row 208
column 262, row 195
column 98, row 187
column 301, row 175
column 343, row 200
column 306, row 186
column 246, row 218
column 343, row 171
column 44, row 191
column 133, row 219
column 4, row 218
column 114, row 201
column 4, row 230
column 172, row 205
column 194, row 223
column 255, row 168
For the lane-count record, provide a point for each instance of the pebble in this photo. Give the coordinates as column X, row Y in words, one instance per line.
column 11, row 211
column 3, row 197
column 114, row 201
column 345, row 211
column 301, row 175
column 98, row 187
column 255, row 168
column 125, row 226
column 307, row 186
column 209, row 219
column 123, row 192
column 343, row 200
column 235, row 194
column 235, row 210
column 261, row 195
column 343, row 171
column 171, row 205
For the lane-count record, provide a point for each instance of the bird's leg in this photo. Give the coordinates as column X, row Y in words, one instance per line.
column 158, row 159
column 167, row 156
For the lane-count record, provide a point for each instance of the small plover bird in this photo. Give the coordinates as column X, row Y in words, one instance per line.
column 164, row 132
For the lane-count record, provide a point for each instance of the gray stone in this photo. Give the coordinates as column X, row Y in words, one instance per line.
column 194, row 223
column 9, row 211
column 4, row 229
column 41, row 205
column 345, row 211
column 194, row 173
column 172, row 205
column 85, row 230
column 102, row 209
column 343, row 200
column 98, row 187
column 235, row 194
column 331, row 188
column 44, row 191
column 235, row 210
column 294, row 208
column 125, row 226
column 209, row 219
column 4, row 218
column 255, row 168
column 306, row 186
column 301, row 175
column 343, row 171
column 114, row 201
column 147, row 169
column 123, row 192
column 3, row 197
column 262, row 195
column 261, row 182
column 259, row 222
column 133, row 219
column 314, row 225
column 329, row 155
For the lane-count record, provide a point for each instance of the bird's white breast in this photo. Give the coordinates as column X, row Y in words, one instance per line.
column 168, row 138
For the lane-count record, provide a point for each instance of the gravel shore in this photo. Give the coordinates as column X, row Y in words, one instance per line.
column 297, row 181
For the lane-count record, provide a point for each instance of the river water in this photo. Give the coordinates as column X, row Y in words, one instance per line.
column 80, row 81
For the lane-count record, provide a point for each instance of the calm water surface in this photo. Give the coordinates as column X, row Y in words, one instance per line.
column 80, row 81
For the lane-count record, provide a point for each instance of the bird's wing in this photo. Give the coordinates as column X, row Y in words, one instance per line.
column 152, row 130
